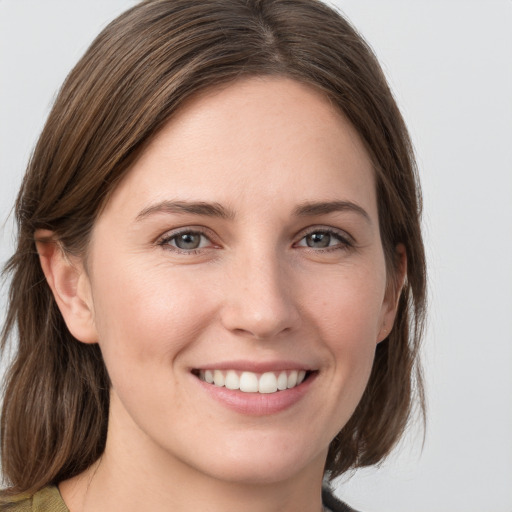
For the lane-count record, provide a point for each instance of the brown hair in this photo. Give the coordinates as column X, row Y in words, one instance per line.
column 132, row 79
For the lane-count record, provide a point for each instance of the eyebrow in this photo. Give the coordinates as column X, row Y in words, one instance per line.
column 195, row 208
column 308, row 209
column 323, row 208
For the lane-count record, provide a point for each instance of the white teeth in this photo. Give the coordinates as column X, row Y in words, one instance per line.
column 232, row 380
column 282, row 381
column 268, row 383
column 218, row 378
column 249, row 382
column 292, row 379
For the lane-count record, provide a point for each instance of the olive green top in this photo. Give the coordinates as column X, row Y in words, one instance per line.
column 47, row 499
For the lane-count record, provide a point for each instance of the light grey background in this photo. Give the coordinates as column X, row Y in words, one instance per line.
column 450, row 66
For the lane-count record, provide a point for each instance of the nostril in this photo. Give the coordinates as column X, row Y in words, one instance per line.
column 260, row 311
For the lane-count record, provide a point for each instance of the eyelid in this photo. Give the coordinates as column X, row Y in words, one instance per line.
column 187, row 228
column 326, row 229
column 163, row 240
column 346, row 240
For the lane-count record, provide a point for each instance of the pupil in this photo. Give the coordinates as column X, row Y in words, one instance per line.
column 319, row 240
column 188, row 241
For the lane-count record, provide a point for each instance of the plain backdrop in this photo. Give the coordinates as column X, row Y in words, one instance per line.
column 449, row 63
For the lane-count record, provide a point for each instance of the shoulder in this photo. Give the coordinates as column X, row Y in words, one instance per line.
column 47, row 499
column 334, row 504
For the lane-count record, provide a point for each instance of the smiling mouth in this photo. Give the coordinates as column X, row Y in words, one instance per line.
column 250, row 382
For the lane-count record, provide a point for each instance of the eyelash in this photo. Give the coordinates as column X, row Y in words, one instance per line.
column 344, row 242
column 166, row 241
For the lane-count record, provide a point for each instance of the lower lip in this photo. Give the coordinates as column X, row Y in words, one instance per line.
column 258, row 404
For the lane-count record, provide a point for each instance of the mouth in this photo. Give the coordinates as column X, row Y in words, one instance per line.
column 251, row 382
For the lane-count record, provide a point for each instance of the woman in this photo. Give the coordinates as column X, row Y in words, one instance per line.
column 219, row 282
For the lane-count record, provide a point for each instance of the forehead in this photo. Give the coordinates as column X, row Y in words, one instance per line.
column 263, row 140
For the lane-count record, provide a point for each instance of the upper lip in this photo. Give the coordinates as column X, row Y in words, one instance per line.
column 256, row 366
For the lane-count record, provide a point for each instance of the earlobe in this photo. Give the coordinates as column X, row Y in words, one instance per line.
column 393, row 293
column 69, row 284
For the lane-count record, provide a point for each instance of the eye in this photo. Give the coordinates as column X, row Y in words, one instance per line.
column 186, row 241
column 324, row 239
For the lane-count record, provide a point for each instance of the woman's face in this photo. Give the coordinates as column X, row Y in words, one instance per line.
column 243, row 246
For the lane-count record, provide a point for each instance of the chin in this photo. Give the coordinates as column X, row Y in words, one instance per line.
column 264, row 461
column 265, row 473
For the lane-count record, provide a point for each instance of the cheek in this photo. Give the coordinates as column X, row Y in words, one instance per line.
column 146, row 315
column 350, row 303
column 348, row 318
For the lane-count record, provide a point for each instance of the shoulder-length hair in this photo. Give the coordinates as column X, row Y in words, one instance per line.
column 131, row 81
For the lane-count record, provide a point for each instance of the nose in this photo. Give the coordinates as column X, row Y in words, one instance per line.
column 260, row 299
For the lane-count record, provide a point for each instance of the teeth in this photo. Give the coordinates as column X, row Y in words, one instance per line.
column 282, row 381
column 218, row 378
column 292, row 379
column 250, row 382
column 268, row 383
column 208, row 376
column 232, row 380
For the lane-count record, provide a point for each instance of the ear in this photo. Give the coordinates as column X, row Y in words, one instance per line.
column 70, row 285
column 393, row 292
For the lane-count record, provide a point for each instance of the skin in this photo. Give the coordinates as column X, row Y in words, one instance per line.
column 253, row 290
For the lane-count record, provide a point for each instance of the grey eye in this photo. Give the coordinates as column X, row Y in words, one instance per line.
column 318, row 240
column 187, row 241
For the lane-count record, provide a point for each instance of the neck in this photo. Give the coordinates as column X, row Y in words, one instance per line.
column 133, row 474
column 101, row 489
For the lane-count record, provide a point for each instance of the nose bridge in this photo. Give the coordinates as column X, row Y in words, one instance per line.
column 260, row 301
